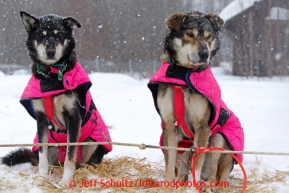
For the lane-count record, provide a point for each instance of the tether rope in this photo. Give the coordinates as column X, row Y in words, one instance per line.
column 141, row 146
column 202, row 150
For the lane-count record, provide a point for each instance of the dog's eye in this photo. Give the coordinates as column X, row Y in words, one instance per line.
column 59, row 35
column 42, row 34
column 190, row 34
column 209, row 36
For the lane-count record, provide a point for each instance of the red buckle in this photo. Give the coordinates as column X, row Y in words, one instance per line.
column 54, row 70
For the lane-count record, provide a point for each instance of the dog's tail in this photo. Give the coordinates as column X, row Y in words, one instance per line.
column 22, row 155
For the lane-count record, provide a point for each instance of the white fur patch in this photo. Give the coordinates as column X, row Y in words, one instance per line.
column 69, row 168
column 41, row 50
column 206, row 34
column 186, row 54
column 58, row 53
column 43, row 157
column 195, row 32
column 213, row 45
column 43, row 163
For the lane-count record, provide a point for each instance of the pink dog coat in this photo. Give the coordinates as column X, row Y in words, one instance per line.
column 92, row 124
column 222, row 120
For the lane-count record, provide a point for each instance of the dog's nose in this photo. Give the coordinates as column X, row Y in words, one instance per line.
column 204, row 54
column 50, row 53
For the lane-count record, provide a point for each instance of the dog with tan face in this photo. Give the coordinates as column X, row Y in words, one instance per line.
column 188, row 99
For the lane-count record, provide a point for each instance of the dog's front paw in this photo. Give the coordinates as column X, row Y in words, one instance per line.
column 67, row 176
column 43, row 168
column 39, row 180
column 42, row 177
column 207, row 187
column 198, row 176
column 43, row 174
column 207, row 190
column 65, row 181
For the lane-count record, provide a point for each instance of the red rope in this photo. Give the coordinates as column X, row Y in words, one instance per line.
column 201, row 150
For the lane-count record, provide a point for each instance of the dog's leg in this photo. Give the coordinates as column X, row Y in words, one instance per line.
column 92, row 154
column 198, row 111
column 225, row 163
column 201, row 140
column 88, row 150
column 217, row 166
column 182, row 166
column 170, row 137
column 42, row 130
column 53, row 156
column 73, row 123
column 225, row 167
column 211, row 164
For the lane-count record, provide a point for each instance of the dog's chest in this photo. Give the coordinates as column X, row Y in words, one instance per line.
column 195, row 105
column 61, row 103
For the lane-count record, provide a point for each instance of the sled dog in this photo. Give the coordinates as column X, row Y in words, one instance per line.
column 57, row 96
column 188, row 99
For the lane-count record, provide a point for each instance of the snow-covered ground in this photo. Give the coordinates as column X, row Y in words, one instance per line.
column 126, row 105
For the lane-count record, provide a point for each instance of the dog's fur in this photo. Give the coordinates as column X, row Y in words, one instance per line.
column 50, row 41
column 192, row 40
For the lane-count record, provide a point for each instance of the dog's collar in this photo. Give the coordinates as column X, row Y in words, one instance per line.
column 55, row 69
column 170, row 61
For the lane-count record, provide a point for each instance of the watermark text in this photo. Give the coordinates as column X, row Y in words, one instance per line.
column 145, row 183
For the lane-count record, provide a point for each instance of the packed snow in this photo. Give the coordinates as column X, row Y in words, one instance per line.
column 126, row 105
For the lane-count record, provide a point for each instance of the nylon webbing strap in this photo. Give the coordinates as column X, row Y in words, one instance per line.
column 49, row 110
column 179, row 110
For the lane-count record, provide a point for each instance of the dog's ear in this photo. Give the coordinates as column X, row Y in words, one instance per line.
column 216, row 20
column 28, row 20
column 71, row 22
column 175, row 21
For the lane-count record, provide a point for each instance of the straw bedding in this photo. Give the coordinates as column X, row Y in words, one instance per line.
column 134, row 175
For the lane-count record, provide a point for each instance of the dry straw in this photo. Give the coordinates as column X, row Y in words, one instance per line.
column 119, row 169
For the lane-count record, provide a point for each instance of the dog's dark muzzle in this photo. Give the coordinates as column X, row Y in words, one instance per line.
column 50, row 52
column 50, row 48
